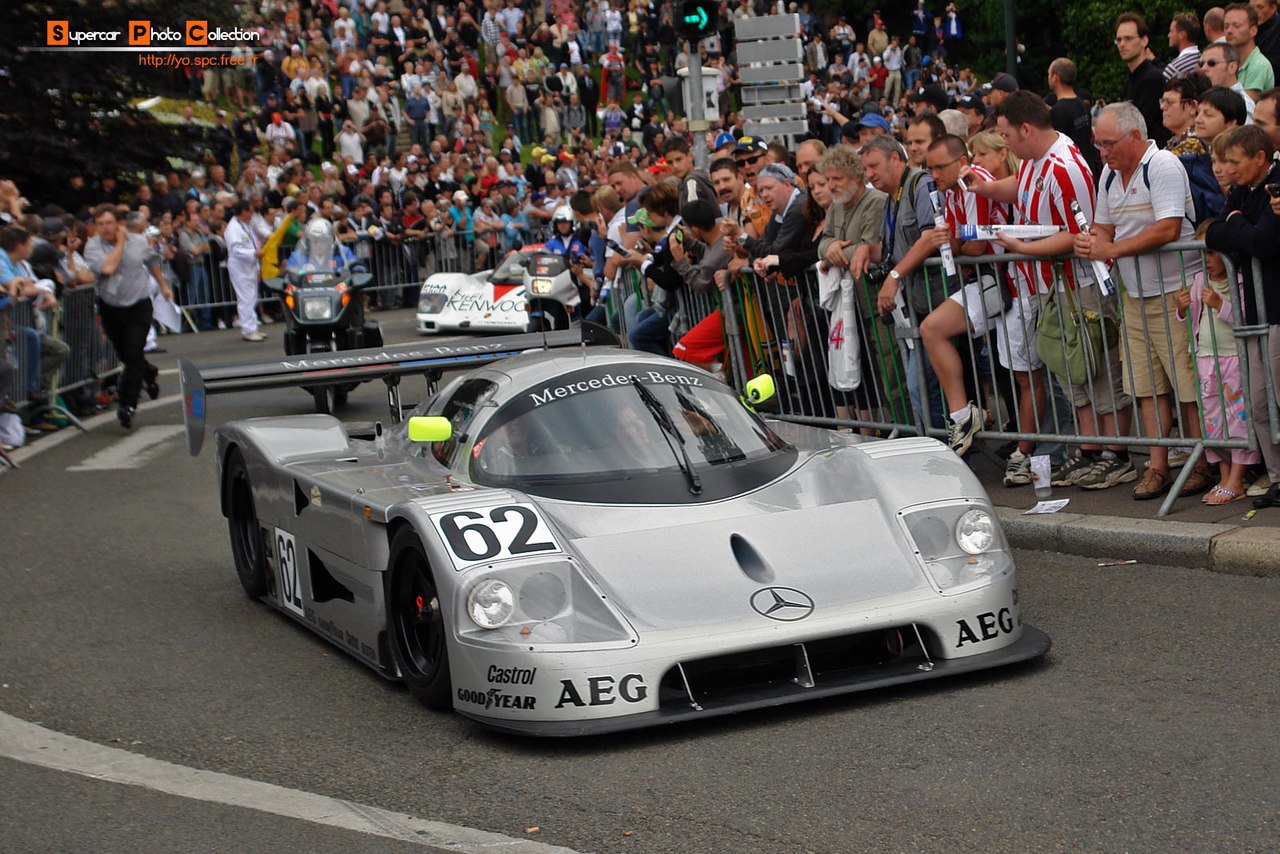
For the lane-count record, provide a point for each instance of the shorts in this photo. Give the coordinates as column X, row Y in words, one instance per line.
column 1016, row 334
column 1157, row 353
column 1105, row 392
column 982, row 315
column 703, row 344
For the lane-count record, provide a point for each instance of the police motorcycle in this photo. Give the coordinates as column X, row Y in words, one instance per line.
column 555, row 277
column 320, row 291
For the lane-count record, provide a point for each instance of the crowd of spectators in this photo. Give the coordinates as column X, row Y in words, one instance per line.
column 460, row 133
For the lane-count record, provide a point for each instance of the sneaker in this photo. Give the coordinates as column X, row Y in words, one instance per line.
column 1018, row 470
column 125, row 415
column 1107, row 471
column 254, row 337
column 1070, row 472
column 222, row 324
column 1178, row 458
column 1258, row 487
column 267, row 320
column 961, row 433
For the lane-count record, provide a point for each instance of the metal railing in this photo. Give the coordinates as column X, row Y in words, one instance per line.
column 782, row 328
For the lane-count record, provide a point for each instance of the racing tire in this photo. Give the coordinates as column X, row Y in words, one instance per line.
column 416, row 621
column 242, row 524
column 325, row 398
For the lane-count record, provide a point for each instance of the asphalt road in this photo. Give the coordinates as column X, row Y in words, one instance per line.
column 1151, row 726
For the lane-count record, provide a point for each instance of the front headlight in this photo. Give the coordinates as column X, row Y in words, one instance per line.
column 975, row 531
column 432, row 303
column 546, row 604
column 491, row 603
column 959, row 543
column 541, row 287
column 317, row 308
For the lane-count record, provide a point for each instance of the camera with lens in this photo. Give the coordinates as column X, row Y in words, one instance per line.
column 877, row 273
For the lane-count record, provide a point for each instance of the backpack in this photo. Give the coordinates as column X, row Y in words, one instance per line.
column 1206, row 195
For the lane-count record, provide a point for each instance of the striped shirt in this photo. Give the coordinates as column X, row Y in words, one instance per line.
column 1046, row 188
column 964, row 207
column 1187, row 61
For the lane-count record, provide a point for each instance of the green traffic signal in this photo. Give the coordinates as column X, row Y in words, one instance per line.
column 697, row 18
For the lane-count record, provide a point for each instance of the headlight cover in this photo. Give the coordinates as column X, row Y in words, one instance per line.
column 960, row 544
column 432, row 303
column 541, row 605
column 541, row 287
column 317, row 308
column 491, row 603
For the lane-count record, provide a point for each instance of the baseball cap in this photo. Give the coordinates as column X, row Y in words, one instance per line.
column 641, row 217
column 725, row 138
column 197, row 173
column 971, row 102
column 751, row 145
column 934, row 96
column 1004, row 82
column 873, row 120
column 460, row 196
column 52, row 226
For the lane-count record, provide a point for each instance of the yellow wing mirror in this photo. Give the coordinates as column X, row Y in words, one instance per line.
column 430, row 428
column 760, row 389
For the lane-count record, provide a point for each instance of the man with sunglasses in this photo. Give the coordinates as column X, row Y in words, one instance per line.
column 1220, row 62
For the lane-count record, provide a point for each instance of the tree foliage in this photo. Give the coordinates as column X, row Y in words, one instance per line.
column 69, row 111
column 1082, row 30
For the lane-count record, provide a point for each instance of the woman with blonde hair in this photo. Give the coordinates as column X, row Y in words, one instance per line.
column 990, row 151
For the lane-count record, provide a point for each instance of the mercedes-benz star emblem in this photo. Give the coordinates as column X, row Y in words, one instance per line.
column 782, row 603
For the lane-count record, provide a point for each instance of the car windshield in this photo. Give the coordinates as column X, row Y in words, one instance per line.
column 592, row 426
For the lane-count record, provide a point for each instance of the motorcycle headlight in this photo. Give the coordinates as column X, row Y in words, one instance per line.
column 541, row 287
column 975, row 531
column 491, row 603
column 317, row 308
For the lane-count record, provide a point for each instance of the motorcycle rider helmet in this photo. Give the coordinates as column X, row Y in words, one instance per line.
column 562, row 214
column 319, row 240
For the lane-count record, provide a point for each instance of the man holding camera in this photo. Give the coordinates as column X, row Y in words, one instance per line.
column 897, row 261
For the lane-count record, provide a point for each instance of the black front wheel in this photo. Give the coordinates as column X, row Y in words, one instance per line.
column 325, row 398
column 415, row 617
column 242, row 522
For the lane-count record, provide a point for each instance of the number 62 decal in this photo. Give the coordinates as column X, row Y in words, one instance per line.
column 486, row 534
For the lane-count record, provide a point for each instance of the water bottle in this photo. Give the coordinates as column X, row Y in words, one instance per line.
column 1040, row 476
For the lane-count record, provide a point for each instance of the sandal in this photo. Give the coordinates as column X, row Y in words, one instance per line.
column 1220, row 495
column 1197, row 482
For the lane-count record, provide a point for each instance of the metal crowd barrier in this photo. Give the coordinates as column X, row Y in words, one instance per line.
column 75, row 323
column 780, row 327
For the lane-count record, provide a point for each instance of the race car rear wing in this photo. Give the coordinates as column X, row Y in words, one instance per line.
column 347, row 366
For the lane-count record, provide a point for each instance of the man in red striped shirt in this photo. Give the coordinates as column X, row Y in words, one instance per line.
column 1052, row 175
column 979, row 308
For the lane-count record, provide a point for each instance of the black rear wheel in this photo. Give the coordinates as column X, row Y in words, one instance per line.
column 242, row 523
column 326, row 399
column 416, row 619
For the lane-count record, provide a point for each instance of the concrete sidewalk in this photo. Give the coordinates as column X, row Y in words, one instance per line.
column 1110, row 525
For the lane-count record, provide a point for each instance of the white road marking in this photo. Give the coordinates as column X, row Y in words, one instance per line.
column 35, row 745
column 133, row 451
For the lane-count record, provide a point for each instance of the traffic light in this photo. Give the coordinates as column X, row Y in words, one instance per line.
column 696, row 19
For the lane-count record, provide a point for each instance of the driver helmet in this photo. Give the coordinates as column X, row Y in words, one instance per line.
column 319, row 240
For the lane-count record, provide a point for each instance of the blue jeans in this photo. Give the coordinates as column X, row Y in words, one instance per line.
column 651, row 333
column 937, row 415
column 200, row 294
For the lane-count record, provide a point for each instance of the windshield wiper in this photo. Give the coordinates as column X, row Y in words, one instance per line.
column 668, row 428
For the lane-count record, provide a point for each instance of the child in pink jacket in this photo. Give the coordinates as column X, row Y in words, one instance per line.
column 1222, row 393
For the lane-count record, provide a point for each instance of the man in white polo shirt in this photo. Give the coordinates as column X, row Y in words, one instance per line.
column 1144, row 201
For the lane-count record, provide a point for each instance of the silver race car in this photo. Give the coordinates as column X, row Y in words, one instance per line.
column 578, row 540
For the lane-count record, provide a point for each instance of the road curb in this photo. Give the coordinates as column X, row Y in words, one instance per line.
column 1231, row 549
